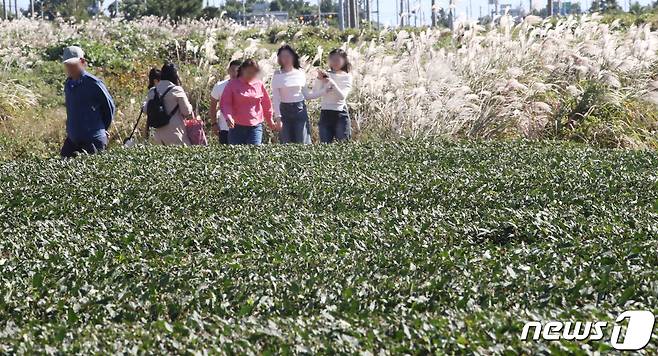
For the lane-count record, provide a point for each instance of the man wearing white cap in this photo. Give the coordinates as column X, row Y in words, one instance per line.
column 89, row 107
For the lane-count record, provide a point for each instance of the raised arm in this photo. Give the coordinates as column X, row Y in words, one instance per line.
column 342, row 92
column 319, row 89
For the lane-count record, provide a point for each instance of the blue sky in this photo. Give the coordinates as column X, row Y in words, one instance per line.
column 389, row 15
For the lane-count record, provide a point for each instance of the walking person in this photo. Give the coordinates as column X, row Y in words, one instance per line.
column 246, row 104
column 335, row 123
column 219, row 124
column 89, row 107
column 176, row 105
column 288, row 94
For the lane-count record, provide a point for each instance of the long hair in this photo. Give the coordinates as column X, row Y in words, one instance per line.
column 170, row 73
column 347, row 67
column 248, row 63
column 154, row 75
column 295, row 56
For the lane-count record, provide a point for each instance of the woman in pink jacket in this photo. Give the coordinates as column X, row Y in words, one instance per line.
column 245, row 104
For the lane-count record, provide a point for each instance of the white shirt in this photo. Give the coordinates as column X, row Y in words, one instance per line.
column 289, row 87
column 334, row 92
column 216, row 94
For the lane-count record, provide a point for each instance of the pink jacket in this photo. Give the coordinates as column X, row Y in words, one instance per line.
column 248, row 104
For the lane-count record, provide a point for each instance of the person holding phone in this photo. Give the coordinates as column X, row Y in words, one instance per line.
column 334, row 86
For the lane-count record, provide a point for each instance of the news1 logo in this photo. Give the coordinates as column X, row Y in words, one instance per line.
column 639, row 328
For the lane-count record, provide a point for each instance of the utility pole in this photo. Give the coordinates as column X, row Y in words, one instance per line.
column 433, row 13
column 319, row 12
column 401, row 13
column 4, row 8
column 32, row 7
column 368, row 12
column 378, row 23
column 450, row 19
column 416, row 13
column 341, row 15
column 549, row 8
column 353, row 13
column 470, row 9
column 408, row 13
column 244, row 13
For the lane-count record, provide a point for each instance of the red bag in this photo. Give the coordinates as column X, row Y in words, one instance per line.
column 195, row 132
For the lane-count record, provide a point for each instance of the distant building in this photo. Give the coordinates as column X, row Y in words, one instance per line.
column 562, row 7
column 261, row 13
column 511, row 11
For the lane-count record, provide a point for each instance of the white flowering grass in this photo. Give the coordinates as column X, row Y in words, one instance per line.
column 574, row 78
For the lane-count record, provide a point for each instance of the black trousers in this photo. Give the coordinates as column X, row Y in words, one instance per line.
column 91, row 146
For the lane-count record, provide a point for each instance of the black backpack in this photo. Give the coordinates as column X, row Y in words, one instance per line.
column 156, row 113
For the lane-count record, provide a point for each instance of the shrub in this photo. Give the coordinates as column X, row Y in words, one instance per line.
column 414, row 247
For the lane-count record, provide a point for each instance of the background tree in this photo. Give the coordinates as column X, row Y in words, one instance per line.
column 80, row 9
column 604, row 6
column 175, row 9
column 610, row 5
column 210, row 12
column 131, row 9
column 575, row 8
column 636, row 9
column 595, row 7
column 328, row 6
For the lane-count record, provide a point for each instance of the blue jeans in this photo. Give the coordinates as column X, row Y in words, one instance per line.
column 334, row 125
column 245, row 135
column 93, row 145
column 296, row 126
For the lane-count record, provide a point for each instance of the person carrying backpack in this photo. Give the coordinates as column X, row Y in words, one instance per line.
column 167, row 106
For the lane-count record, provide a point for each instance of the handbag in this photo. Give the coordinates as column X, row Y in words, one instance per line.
column 195, row 132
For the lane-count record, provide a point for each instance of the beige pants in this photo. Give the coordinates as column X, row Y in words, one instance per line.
column 172, row 134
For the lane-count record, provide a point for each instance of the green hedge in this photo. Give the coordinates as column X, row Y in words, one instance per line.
column 409, row 247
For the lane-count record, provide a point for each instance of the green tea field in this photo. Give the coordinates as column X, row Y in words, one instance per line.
column 409, row 247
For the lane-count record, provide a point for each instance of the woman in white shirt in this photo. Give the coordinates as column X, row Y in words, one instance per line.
column 335, row 86
column 288, row 94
